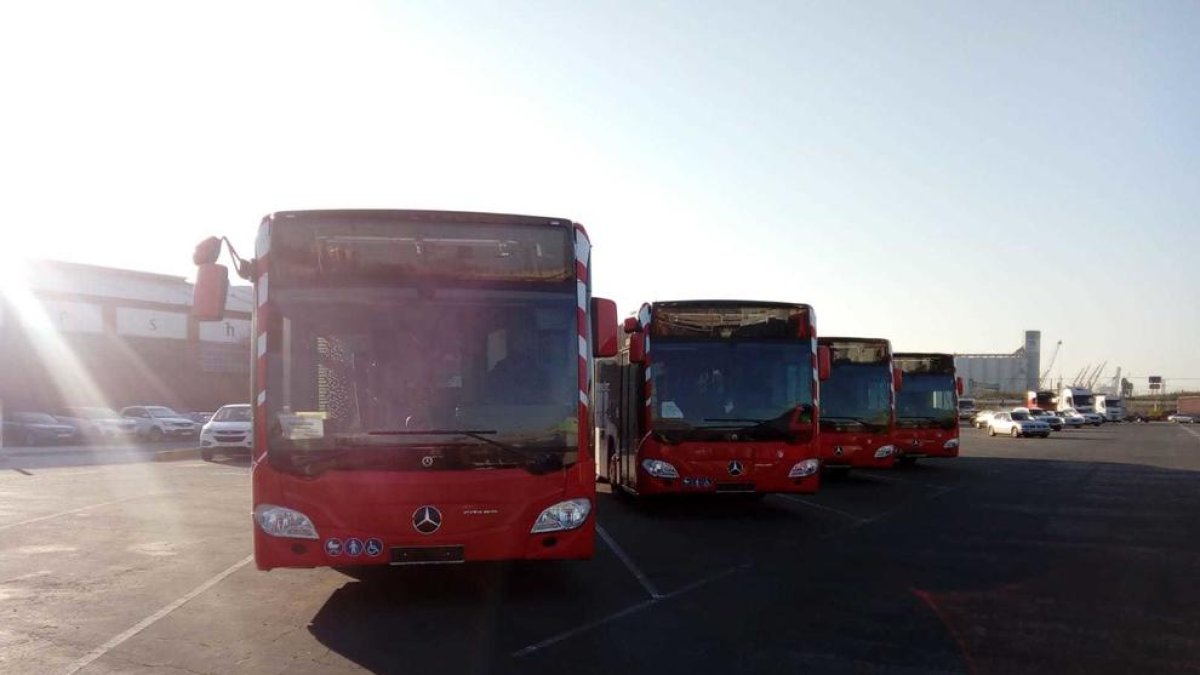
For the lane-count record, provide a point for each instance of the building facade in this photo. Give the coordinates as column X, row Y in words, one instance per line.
column 81, row 335
column 1013, row 373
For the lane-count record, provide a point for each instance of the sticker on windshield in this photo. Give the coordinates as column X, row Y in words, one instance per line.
column 670, row 411
column 354, row 546
column 302, row 425
column 374, row 546
column 333, row 546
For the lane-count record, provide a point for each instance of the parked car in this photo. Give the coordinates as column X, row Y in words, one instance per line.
column 1094, row 419
column 157, row 422
column 199, row 417
column 96, row 422
column 229, row 429
column 1056, row 423
column 1181, row 418
column 982, row 418
column 1072, row 419
column 1017, row 424
column 36, row 428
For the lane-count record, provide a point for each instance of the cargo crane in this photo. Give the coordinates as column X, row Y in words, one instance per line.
column 1053, row 358
column 1091, row 382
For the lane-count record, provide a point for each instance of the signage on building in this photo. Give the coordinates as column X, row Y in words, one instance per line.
column 151, row 323
column 229, row 330
column 74, row 317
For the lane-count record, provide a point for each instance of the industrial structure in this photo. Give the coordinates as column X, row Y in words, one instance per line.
column 82, row 335
column 1016, row 372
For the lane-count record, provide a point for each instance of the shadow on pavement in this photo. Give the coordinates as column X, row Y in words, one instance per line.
column 1026, row 565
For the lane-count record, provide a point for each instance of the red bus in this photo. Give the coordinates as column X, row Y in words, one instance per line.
column 711, row 396
column 421, row 387
column 858, row 414
column 927, row 407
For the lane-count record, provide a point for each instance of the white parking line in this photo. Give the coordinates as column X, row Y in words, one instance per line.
column 629, row 564
column 815, row 505
column 145, row 623
column 67, row 513
column 1190, row 431
column 632, row 609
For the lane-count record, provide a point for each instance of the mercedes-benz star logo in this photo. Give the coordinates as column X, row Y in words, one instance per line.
column 735, row 468
column 427, row 520
column 838, row 451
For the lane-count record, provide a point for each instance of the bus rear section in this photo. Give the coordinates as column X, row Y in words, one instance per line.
column 857, row 404
column 926, row 407
column 423, row 388
column 711, row 397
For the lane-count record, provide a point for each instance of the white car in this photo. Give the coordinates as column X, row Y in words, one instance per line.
column 982, row 418
column 1017, row 424
column 1093, row 418
column 1072, row 419
column 1181, row 418
column 230, row 428
column 157, row 422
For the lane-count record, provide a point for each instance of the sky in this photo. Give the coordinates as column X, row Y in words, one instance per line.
column 946, row 175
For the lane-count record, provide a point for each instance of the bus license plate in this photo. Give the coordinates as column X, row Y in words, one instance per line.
column 427, row 555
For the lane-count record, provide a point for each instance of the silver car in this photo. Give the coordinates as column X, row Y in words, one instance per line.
column 1072, row 419
column 1017, row 424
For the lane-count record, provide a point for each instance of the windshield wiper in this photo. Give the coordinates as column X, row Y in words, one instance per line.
column 536, row 463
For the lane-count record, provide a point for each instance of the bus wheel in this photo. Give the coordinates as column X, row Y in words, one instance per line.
column 906, row 461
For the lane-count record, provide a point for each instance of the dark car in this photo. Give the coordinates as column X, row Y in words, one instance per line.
column 35, row 428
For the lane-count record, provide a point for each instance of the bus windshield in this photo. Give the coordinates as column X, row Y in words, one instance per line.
column 719, row 384
column 926, row 397
column 373, row 367
column 859, row 393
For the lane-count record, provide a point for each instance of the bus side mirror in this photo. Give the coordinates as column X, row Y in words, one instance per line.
column 824, row 363
column 637, row 348
column 897, row 379
column 632, row 325
column 604, row 327
column 212, row 287
column 958, row 385
column 207, row 251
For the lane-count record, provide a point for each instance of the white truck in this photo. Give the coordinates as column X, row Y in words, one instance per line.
column 1082, row 401
column 1111, row 408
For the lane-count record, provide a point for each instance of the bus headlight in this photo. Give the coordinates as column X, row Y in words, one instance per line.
column 562, row 516
column 805, row 468
column 659, row 468
column 279, row 521
column 950, row 444
column 885, row 451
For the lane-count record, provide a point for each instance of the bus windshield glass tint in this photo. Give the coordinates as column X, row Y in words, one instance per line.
column 703, row 384
column 348, row 366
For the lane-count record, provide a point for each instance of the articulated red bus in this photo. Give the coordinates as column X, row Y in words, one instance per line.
column 858, row 414
column 421, row 386
column 927, row 407
column 712, row 396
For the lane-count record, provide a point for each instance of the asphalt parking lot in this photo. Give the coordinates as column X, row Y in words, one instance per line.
column 1077, row 553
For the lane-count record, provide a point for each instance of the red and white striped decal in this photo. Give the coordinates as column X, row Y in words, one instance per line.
column 262, row 313
column 583, row 251
column 816, row 367
column 643, row 317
